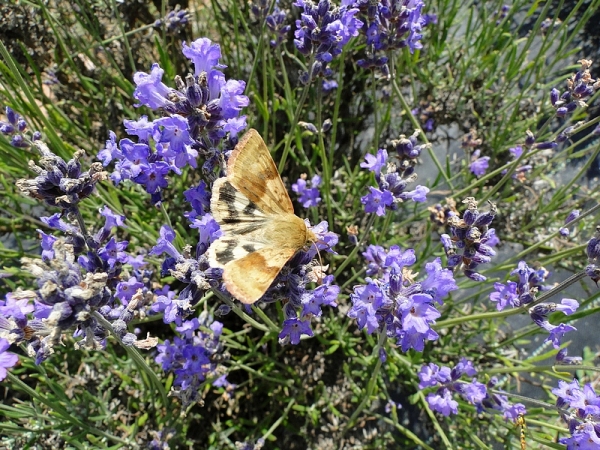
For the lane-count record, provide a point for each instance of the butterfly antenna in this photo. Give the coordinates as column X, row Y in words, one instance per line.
column 320, row 280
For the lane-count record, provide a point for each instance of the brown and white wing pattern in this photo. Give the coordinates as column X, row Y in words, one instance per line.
column 255, row 213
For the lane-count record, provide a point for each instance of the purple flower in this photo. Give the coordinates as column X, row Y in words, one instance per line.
column 164, row 244
column 580, row 409
column 189, row 357
column 325, row 294
column 276, row 22
column 58, row 182
column 232, row 99
column 474, row 392
column 136, row 262
column 141, row 128
column 113, row 252
column 414, row 340
column 195, row 118
column 375, row 162
column 7, row 359
column 194, row 357
column 15, row 307
column 164, row 298
column 419, row 195
column 365, row 315
column 568, row 306
column 209, row 232
column 111, row 150
column 154, row 177
column 418, row 313
column 479, row 165
column 308, row 196
column 570, row 218
column 204, row 54
column 47, row 244
column 558, row 332
column 375, row 257
column 516, row 152
column 175, row 132
column 562, row 358
column 323, row 30
column 395, row 300
column 126, row 289
column 586, row 400
column 329, row 85
column 585, row 437
column 564, row 391
column 326, row 240
column 428, row 376
column 376, row 201
column 470, row 237
column 112, row 219
column 150, row 90
column 135, row 158
column 388, row 26
column 199, row 198
column 505, row 294
column 392, row 185
column 464, row 367
column 294, row 328
column 580, row 86
column 443, row 402
column 439, row 282
column 511, row 412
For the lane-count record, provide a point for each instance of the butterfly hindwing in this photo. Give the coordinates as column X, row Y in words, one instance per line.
column 229, row 248
column 249, row 277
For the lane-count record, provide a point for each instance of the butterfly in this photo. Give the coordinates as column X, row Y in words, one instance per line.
column 260, row 230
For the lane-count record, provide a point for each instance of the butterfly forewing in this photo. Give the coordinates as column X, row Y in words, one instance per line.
column 251, row 170
column 233, row 211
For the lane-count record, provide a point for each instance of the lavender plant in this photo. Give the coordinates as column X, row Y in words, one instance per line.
column 424, row 314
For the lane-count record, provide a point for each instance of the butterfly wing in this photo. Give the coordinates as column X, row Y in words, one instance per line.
column 234, row 212
column 255, row 213
column 252, row 171
column 249, row 277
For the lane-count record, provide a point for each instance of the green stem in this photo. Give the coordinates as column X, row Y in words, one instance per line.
column 61, row 410
column 272, row 327
column 415, row 123
column 240, row 313
column 372, row 380
column 522, row 309
column 375, row 116
column 259, row 374
column 136, row 356
column 434, row 420
column 405, row 431
column 567, row 368
column 278, row 421
column 357, row 247
column 261, row 40
column 326, row 171
column 297, row 113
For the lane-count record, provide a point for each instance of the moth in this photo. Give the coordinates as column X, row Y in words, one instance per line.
column 260, row 230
